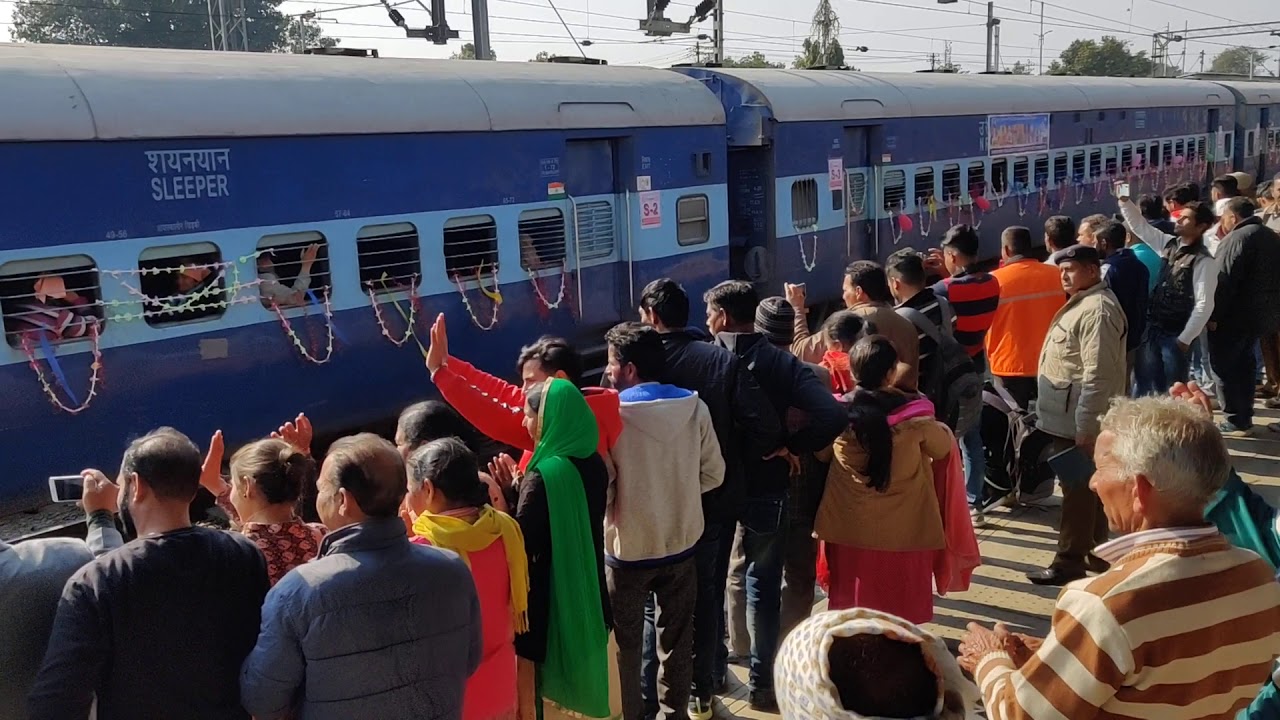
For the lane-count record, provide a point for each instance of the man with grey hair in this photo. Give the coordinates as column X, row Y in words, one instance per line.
column 1183, row 626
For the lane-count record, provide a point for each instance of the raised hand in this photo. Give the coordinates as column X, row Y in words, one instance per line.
column 504, row 470
column 796, row 297
column 99, row 493
column 438, row 351
column 1191, row 392
column 211, row 472
column 297, row 433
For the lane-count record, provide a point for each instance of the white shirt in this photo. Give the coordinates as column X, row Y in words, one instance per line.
column 1204, row 280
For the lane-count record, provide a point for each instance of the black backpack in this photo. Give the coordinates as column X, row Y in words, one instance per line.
column 954, row 383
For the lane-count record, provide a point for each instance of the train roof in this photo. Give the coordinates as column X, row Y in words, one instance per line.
column 804, row 95
column 1253, row 92
column 62, row 92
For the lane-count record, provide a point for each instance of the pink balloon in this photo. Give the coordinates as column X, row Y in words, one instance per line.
column 905, row 223
column 983, row 204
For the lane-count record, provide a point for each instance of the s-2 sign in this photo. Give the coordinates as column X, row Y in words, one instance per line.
column 650, row 210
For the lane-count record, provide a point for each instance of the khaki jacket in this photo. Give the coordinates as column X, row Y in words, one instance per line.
column 904, row 336
column 1082, row 364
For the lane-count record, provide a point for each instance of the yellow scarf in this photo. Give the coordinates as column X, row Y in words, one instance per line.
column 464, row 537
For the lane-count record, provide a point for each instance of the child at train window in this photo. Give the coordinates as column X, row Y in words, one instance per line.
column 274, row 291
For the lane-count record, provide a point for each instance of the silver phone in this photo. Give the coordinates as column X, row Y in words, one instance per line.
column 66, row 488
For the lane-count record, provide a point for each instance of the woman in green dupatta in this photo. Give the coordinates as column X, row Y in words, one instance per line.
column 563, row 489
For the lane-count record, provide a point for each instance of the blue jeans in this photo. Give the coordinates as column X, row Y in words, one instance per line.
column 763, row 529
column 1160, row 363
column 972, row 450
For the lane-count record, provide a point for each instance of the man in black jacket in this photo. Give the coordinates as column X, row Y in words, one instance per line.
column 731, row 312
column 1246, row 307
column 747, row 426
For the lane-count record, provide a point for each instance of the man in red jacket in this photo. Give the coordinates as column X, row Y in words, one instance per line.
column 496, row 407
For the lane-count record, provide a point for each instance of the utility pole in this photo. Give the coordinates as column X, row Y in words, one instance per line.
column 718, row 31
column 946, row 55
column 933, row 61
column 992, row 35
column 996, row 44
column 480, row 28
column 1040, row 70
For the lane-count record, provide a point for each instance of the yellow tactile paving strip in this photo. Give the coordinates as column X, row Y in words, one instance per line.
column 1023, row 539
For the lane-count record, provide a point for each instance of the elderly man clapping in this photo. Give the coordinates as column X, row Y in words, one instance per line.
column 1183, row 625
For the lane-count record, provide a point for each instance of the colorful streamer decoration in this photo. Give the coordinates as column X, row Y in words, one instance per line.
column 95, row 374
column 494, row 295
column 804, row 260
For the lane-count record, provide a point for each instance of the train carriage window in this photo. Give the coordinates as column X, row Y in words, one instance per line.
column 1126, row 158
column 290, row 266
column 804, row 203
column 182, row 283
column 1166, row 153
column 1110, row 164
column 54, row 299
column 1201, row 144
column 1061, row 167
column 1191, row 150
column 1078, row 166
column 693, row 220
column 594, row 228
column 951, row 189
column 1041, row 170
column 1180, row 149
column 924, row 186
column 856, row 182
column 895, row 190
column 977, row 179
column 1229, row 144
column 389, row 256
column 1095, row 163
column 1140, row 155
column 1000, row 175
column 1021, row 174
column 1249, row 142
column 470, row 247
column 542, row 239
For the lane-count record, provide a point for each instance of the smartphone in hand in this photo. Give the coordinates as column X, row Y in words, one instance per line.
column 66, row 488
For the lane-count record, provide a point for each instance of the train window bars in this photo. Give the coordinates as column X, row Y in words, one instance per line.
column 1166, row 153
column 1095, row 164
column 1077, row 166
column 182, row 283
column 693, row 220
column 1180, row 149
column 470, row 248
column 1228, row 147
column 924, row 186
column 1249, row 142
column 542, row 239
column 895, row 190
column 1061, row 167
column 1041, row 171
column 804, row 203
column 1000, row 176
column 595, row 229
column 389, row 257
column 951, row 190
column 856, row 186
column 1126, row 158
column 1111, row 166
column 1193, row 152
column 281, row 260
column 1140, row 155
column 977, row 179
column 54, row 299
column 1021, row 174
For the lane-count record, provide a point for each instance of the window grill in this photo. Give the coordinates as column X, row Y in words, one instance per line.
column 54, row 297
column 1061, row 167
column 1021, row 174
column 470, row 247
column 1041, row 170
column 977, row 179
column 1000, row 175
column 924, row 186
column 191, row 284
column 856, row 183
column 595, row 229
column 951, row 183
column 542, row 239
column 280, row 264
column 389, row 256
column 895, row 190
column 804, row 203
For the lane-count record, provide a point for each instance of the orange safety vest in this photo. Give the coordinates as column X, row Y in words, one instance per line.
column 1030, row 295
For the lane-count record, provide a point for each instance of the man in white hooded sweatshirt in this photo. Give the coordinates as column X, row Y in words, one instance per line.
column 665, row 458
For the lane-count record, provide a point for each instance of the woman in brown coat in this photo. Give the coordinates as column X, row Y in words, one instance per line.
column 879, row 517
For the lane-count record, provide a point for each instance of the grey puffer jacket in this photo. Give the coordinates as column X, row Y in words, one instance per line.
column 374, row 628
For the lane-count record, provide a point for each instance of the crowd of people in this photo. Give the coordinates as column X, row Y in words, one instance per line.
column 679, row 517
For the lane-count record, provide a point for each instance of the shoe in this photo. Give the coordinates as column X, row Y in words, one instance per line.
column 978, row 518
column 1056, row 576
column 763, row 701
column 1096, row 564
column 1230, row 429
column 699, row 709
column 1265, row 391
column 1272, row 403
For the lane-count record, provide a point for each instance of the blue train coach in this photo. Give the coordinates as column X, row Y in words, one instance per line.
column 160, row 207
column 829, row 166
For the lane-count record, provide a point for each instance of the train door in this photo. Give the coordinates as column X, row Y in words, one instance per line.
column 599, row 243
column 751, row 208
column 1262, row 146
column 856, row 173
column 1216, row 149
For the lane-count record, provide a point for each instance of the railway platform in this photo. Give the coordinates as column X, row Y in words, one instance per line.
column 1024, row 538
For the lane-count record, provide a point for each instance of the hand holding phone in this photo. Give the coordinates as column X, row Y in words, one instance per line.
column 66, row 488
column 1122, row 190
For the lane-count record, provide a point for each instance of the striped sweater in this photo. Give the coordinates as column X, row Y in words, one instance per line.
column 1184, row 626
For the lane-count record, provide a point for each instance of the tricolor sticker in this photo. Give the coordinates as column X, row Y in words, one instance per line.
column 555, row 189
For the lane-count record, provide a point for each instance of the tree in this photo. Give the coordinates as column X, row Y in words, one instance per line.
column 1109, row 57
column 468, row 52
column 822, row 47
column 182, row 24
column 1020, row 68
column 303, row 32
column 542, row 56
column 1239, row 61
column 754, row 60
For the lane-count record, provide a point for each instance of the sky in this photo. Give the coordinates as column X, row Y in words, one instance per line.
column 900, row 35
